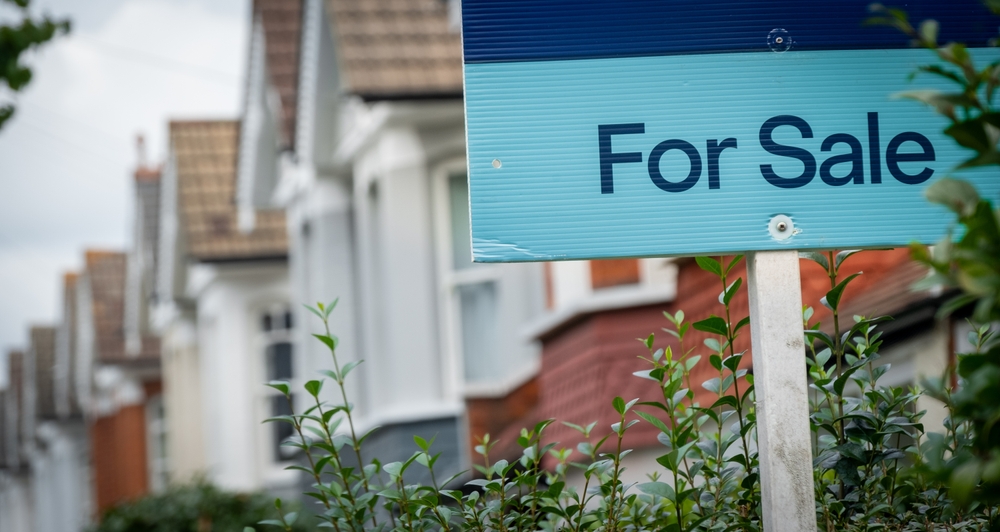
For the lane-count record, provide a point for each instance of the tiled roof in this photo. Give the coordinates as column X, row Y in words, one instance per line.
column 106, row 272
column 43, row 349
column 282, row 24
column 397, row 48
column 205, row 155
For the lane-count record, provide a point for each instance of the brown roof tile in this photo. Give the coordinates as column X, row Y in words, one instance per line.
column 205, row 154
column 282, row 23
column 397, row 48
column 106, row 272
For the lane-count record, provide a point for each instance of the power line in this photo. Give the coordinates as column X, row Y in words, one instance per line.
column 165, row 63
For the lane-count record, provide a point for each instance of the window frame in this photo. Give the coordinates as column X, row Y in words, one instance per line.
column 274, row 472
column 450, row 279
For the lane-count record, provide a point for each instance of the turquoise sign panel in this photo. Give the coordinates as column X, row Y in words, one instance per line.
column 631, row 128
column 697, row 154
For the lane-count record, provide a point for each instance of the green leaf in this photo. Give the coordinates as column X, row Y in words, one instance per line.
column 314, row 311
column 816, row 257
column 348, row 367
column 313, row 387
column 330, row 306
column 928, row 32
column 709, row 265
column 956, row 194
column 964, row 480
column 660, row 489
column 619, row 404
column 838, row 385
column 972, row 134
column 742, row 323
column 713, row 324
column 732, row 264
column 844, row 255
column 281, row 386
column 833, row 296
column 653, row 420
column 330, row 341
column 728, row 294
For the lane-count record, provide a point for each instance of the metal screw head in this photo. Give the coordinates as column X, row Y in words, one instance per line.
column 781, row 227
column 497, row 163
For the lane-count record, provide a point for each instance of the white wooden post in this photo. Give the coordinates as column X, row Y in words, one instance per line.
column 781, row 389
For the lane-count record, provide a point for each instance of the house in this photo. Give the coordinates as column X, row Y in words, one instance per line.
column 590, row 349
column 221, row 306
column 58, row 451
column 354, row 126
column 118, row 390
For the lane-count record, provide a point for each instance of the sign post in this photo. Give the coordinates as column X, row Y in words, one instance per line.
column 783, row 442
column 634, row 128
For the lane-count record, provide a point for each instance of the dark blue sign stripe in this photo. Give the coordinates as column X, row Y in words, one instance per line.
column 535, row 30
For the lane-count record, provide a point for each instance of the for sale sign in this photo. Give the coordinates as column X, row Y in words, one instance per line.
column 624, row 128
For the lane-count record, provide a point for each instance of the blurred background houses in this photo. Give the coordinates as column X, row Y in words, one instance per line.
column 343, row 176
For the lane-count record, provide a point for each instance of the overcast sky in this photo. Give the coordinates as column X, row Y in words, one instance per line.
column 66, row 157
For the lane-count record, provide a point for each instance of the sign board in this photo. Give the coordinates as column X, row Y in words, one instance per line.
column 622, row 128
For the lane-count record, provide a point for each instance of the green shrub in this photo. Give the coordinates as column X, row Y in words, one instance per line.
column 871, row 451
column 198, row 507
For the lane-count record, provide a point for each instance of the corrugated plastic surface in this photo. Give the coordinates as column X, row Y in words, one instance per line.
column 539, row 121
column 522, row 30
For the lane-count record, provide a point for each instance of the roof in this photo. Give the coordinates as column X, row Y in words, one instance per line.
column 106, row 273
column 397, row 48
column 43, row 349
column 282, row 24
column 205, row 155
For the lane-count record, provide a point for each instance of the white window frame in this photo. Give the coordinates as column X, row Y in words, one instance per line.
column 449, row 303
column 274, row 473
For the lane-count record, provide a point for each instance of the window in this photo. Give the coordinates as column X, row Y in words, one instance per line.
column 472, row 289
column 279, row 364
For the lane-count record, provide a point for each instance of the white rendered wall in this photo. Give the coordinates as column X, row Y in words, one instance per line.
column 231, row 365
column 15, row 503
column 321, row 267
column 182, row 399
column 392, row 198
column 920, row 357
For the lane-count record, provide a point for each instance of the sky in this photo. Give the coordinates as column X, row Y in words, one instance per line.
column 67, row 155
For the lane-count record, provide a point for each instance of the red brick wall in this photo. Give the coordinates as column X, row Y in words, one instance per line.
column 587, row 363
column 492, row 415
column 613, row 272
column 118, row 454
